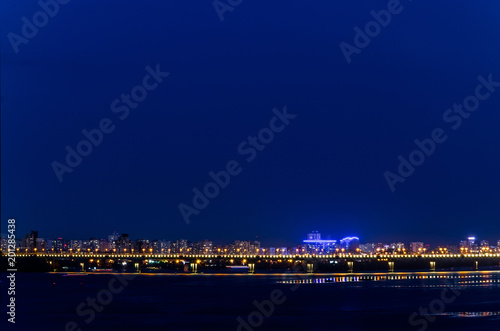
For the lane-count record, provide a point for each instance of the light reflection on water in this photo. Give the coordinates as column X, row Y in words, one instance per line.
column 471, row 314
column 489, row 279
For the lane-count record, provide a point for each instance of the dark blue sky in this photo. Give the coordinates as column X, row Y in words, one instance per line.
column 324, row 172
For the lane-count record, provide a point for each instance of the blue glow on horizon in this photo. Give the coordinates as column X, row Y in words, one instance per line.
column 350, row 238
column 321, row 241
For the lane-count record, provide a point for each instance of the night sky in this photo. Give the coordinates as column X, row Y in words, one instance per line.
column 324, row 171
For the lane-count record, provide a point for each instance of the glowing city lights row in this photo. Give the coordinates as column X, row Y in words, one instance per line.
column 313, row 245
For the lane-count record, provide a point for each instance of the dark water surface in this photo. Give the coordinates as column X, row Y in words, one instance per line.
column 377, row 301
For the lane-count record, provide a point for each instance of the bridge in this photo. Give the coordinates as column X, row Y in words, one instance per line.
column 306, row 262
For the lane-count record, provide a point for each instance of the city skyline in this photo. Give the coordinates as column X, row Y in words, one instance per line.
column 312, row 238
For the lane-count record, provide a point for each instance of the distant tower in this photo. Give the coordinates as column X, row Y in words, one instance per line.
column 314, row 235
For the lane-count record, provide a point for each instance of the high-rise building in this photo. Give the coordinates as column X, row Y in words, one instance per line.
column 471, row 241
column 58, row 244
column 114, row 236
column 315, row 245
column 469, row 245
column 282, row 251
column 122, row 244
column 75, row 245
column 40, row 244
column 417, row 247
column 4, row 244
column 156, row 246
column 29, row 241
column 112, row 239
column 254, row 247
column 206, row 247
column 166, row 246
column 141, row 245
column 485, row 246
column 104, row 246
column 368, row 248
column 240, row 247
column 93, row 244
column 181, row 246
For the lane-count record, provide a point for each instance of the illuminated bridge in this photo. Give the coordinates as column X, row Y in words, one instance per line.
column 300, row 263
